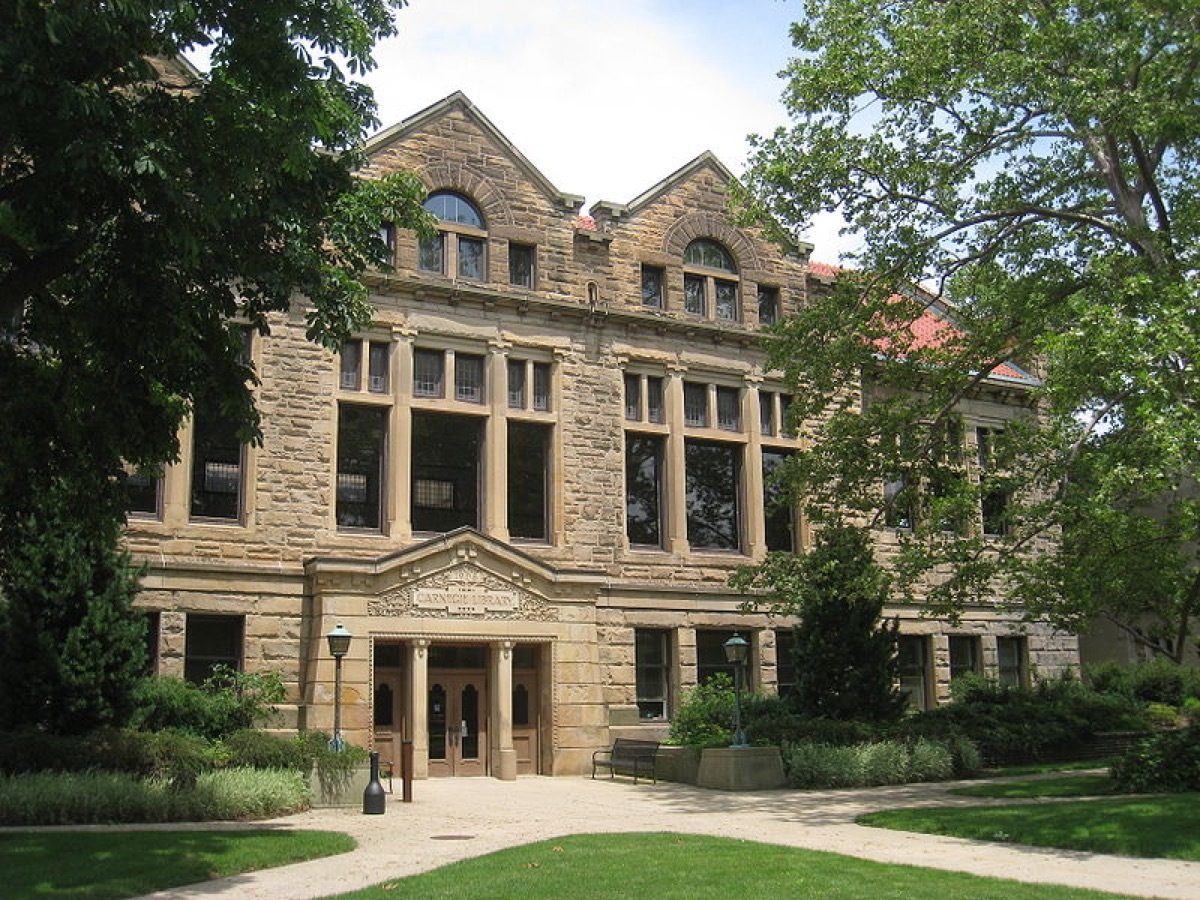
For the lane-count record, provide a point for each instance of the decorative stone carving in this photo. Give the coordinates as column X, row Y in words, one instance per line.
column 463, row 591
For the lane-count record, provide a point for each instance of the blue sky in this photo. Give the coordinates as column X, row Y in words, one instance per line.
column 606, row 97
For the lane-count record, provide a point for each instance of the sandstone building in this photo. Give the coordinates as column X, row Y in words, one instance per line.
column 523, row 488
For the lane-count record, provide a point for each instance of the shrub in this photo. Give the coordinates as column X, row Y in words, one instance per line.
column 811, row 764
column 929, row 761
column 1165, row 762
column 1155, row 681
column 705, row 717
column 229, row 701
column 1162, row 715
column 1191, row 710
column 1053, row 719
column 261, row 750
column 82, row 798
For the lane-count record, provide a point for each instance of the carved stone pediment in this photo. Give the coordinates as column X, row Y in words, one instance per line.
column 463, row 591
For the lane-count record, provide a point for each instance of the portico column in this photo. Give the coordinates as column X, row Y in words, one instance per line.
column 416, row 706
column 505, row 755
column 756, row 526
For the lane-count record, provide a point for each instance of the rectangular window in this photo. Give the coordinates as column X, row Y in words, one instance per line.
column 361, row 464
column 710, row 655
column 351, row 366
column 470, row 258
column 729, row 409
column 377, row 367
column 766, row 413
column 520, row 265
column 713, row 495
column 784, row 425
column 429, row 372
column 652, row 286
column 216, row 468
column 778, row 512
column 964, row 656
column 694, row 300
column 432, row 254
column 768, row 305
column 914, row 670
column 528, row 480
column 153, row 634
column 516, row 384
column 993, row 499
column 695, row 404
column 468, row 378
column 1011, row 658
column 446, row 467
column 654, row 400
column 727, row 300
column 643, row 489
column 211, row 641
column 652, row 661
column 633, row 398
column 897, row 503
column 785, row 660
column 144, row 495
column 541, row 387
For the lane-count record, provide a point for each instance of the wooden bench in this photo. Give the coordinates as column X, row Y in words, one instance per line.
column 629, row 757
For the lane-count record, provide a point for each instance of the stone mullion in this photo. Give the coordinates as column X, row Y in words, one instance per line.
column 495, row 476
column 399, row 449
column 674, row 502
column 755, row 486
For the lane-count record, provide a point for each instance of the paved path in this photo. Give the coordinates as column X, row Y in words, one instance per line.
column 452, row 819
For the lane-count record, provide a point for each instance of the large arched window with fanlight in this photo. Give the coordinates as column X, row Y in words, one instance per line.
column 710, row 281
column 459, row 248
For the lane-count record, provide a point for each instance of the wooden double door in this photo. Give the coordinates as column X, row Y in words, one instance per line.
column 457, row 716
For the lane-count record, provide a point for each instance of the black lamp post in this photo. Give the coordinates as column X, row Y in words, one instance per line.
column 339, row 646
column 736, row 651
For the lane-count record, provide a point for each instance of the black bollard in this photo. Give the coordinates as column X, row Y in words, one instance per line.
column 374, row 799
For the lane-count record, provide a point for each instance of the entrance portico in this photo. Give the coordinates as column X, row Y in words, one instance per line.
column 469, row 649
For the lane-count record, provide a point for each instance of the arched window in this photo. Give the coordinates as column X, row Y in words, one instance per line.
column 710, row 281
column 459, row 247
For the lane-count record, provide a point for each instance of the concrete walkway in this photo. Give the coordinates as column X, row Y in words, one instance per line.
column 453, row 819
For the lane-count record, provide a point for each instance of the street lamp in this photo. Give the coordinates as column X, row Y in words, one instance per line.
column 339, row 646
column 736, row 651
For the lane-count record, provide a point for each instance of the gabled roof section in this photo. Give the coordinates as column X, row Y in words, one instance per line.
column 461, row 545
column 934, row 327
column 460, row 102
column 619, row 210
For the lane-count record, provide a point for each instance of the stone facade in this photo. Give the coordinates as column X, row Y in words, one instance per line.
column 496, row 653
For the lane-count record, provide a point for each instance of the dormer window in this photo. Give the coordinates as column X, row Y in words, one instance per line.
column 710, row 281
column 459, row 246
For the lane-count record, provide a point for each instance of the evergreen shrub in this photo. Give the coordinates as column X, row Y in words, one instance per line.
column 1168, row 762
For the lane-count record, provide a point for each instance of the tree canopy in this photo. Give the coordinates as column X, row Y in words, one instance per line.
column 1032, row 171
column 149, row 216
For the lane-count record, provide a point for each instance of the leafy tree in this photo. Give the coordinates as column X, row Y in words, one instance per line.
column 846, row 656
column 71, row 647
column 1030, row 169
column 148, row 215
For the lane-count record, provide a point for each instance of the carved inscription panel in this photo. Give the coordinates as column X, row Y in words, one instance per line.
column 463, row 591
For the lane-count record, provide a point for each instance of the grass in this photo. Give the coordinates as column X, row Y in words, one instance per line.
column 1060, row 786
column 1044, row 768
column 1164, row 825
column 105, row 865
column 693, row 867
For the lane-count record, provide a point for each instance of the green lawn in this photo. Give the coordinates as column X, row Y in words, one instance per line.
column 1045, row 767
column 1060, row 786
column 1161, row 825
column 101, row 865
column 692, row 867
